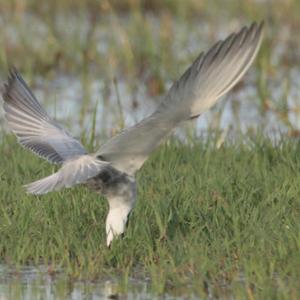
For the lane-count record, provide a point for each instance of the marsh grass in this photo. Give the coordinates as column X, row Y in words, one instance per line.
column 207, row 220
column 212, row 217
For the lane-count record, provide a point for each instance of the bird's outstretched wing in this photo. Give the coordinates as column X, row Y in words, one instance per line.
column 211, row 75
column 33, row 127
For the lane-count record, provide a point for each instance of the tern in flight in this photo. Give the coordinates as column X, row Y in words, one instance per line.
column 111, row 170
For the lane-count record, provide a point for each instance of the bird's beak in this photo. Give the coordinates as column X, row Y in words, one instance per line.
column 109, row 238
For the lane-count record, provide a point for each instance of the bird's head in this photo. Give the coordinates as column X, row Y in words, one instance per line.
column 116, row 221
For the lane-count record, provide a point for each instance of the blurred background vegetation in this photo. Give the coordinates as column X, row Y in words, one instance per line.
column 131, row 34
column 118, row 55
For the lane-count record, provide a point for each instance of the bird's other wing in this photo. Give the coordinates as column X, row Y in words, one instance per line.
column 210, row 76
column 74, row 171
column 213, row 73
column 33, row 127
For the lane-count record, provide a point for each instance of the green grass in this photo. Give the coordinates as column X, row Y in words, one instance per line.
column 222, row 219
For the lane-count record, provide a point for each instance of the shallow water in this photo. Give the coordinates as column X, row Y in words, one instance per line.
column 35, row 283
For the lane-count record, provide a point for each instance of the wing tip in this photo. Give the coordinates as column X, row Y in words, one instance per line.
column 255, row 28
column 13, row 75
column 258, row 29
column 261, row 29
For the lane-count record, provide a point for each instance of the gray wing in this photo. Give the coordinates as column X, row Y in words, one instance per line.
column 34, row 129
column 75, row 171
column 210, row 76
column 128, row 150
column 214, row 73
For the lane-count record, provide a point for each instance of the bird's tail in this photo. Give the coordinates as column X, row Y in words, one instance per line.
column 45, row 185
column 76, row 171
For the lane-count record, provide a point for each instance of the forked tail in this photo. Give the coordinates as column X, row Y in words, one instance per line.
column 75, row 171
